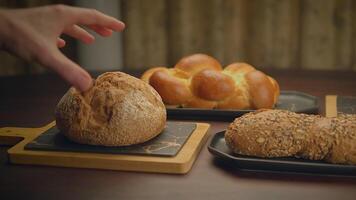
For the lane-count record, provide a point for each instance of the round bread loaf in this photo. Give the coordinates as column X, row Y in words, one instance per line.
column 119, row 110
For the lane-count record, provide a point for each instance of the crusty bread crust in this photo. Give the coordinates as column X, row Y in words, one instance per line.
column 199, row 81
column 174, row 90
column 279, row 133
column 192, row 64
column 119, row 110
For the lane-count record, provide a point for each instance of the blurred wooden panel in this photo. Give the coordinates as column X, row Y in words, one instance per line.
column 190, row 28
column 307, row 34
column 134, row 53
column 266, row 33
column 343, row 34
column 145, row 37
column 233, row 17
column 326, row 36
column 273, row 27
column 176, row 36
column 353, row 41
column 257, row 32
column 214, row 27
column 317, row 34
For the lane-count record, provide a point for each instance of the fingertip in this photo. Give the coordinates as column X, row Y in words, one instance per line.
column 118, row 26
column 83, row 82
column 67, row 69
column 89, row 39
column 102, row 31
column 106, row 33
column 61, row 43
column 122, row 24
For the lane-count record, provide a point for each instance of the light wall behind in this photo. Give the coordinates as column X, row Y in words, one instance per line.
column 105, row 53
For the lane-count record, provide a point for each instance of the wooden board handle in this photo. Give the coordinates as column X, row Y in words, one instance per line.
column 331, row 106
column 13, row 135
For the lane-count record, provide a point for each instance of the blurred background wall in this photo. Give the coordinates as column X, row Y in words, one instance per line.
column 105, row 53
column 283, row 34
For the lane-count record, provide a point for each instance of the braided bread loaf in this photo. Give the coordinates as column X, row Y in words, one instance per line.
column 199, row 81
column 277, row 133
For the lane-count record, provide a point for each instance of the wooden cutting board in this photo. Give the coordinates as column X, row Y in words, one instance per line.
column 181, row 163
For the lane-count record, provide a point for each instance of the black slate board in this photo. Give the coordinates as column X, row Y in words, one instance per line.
column 168, row 143
column 219, row 149
column 346, row 104
column 288, row 100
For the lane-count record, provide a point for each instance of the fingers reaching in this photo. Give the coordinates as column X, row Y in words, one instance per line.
column 102, row 24
column 105, row 32
column 38, row 30
column 61, row 43
column 80, row 34
column 93, row 17
column 68, row 70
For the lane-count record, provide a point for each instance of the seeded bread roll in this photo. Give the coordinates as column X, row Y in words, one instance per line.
column 277, row 133
column 119, row 110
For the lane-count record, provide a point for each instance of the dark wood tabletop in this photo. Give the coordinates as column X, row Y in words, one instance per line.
column 29, row 101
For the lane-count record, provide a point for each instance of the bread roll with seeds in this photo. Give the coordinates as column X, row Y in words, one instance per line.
column 280, row 133
column 119, row 110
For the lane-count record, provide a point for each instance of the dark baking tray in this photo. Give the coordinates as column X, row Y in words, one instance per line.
column 168, row 143
column 346, row 104
column 288, row 100
column 219, row 149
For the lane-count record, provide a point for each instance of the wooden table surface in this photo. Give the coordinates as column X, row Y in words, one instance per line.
column 30, row 101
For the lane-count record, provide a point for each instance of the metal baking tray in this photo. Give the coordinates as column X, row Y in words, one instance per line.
column 218, row 148
column 288, row 100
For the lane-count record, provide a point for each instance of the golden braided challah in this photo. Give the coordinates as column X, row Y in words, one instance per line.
column 199, row 81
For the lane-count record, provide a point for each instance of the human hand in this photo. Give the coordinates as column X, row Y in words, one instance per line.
column 34, row 34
